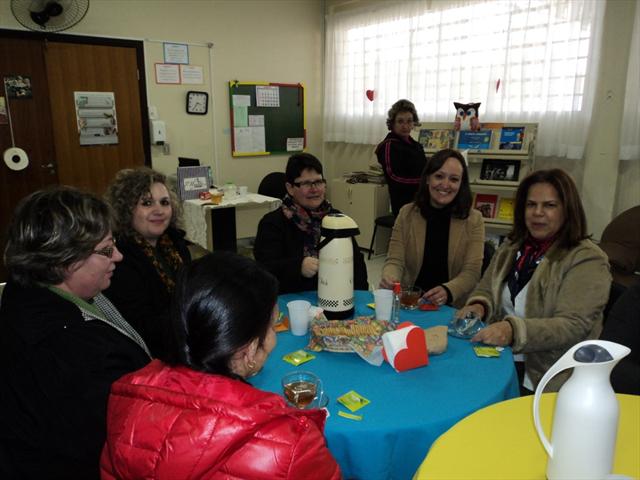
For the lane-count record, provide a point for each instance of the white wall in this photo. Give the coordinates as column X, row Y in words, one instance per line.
column 254, row 40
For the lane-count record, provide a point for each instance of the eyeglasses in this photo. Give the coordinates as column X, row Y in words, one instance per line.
column 308, row 184
column 106, row 251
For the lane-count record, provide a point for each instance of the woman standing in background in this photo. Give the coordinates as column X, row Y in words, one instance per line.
column 401, row 157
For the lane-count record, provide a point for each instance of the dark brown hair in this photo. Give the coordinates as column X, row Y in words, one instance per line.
column 461, row 204
column 399, row 107
column 126, row 190
column 574, row 229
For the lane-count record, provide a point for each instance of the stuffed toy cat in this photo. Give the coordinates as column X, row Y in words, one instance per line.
column 467, row 116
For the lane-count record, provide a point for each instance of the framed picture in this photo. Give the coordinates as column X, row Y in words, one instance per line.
column 192, row 181
column 500, row 170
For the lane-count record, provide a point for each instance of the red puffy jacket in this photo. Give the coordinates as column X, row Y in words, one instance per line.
column 176, row 423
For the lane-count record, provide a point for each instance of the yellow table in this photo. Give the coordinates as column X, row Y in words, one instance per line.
column 500, row 442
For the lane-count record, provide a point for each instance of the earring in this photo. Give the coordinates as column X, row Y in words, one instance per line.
column 251, row 365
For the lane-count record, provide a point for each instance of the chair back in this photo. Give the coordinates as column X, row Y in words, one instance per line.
column 273, row 185
column 1, row 289
column 489, row 250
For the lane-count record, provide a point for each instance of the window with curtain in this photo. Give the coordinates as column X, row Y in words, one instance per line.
column 630, row 131
column 528, row 61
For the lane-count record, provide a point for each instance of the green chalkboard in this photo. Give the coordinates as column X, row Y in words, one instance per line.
column 284, row 125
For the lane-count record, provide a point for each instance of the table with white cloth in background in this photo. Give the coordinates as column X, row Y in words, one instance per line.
column 216, row 227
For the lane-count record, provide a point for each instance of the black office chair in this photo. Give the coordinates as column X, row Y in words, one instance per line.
column 385, row 221
column 273, row 185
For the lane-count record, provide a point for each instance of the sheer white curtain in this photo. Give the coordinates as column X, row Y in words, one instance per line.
column 527, row 61
column 630, row 131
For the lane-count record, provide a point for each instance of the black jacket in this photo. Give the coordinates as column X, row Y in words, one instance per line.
column 402, row 163
column 623, row 326
column 139, row 294
column 279, row 246
column 56, row 370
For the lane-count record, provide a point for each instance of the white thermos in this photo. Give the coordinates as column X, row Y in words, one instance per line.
column 335, row 273
column 585, row 421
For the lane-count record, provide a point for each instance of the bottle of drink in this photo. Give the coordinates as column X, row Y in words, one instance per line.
column 395, row 308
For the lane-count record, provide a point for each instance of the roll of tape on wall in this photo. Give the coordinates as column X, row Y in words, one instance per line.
column 16, row 158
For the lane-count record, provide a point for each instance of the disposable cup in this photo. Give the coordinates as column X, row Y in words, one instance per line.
column 383, row 299
column 243, row 190
column 299, row 316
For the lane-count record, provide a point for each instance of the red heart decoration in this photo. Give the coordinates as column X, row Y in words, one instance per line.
column 415, row 355
column 370, row 94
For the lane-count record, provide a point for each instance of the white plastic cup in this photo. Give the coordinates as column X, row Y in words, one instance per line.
column 243, row 190
column 299, row 316
column 383, row 299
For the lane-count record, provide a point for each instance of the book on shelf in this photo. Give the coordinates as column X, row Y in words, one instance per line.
column 486, row 203
column 505, row 210
column 500, row 170
column 480, row 140
column 436, row 138
column 511, row 138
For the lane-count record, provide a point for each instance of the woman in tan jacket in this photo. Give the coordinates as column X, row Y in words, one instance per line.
column 547, row 285
column 437, row 240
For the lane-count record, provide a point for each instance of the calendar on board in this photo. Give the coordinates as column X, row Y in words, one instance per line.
column 267, row 96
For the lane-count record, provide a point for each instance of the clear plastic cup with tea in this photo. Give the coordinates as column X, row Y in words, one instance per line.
column 302, row 389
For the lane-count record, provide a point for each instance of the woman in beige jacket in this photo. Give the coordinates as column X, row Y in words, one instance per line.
column 437, row 240
column 547, row 285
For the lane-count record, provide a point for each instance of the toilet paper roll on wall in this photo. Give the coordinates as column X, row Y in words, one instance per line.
column 16, row 158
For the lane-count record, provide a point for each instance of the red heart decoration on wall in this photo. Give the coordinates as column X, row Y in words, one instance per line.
column 370, row 94
column 415, row 355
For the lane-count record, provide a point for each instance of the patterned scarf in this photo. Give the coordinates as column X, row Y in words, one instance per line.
column 528, row 257
column 308, row 221
column 164, row 257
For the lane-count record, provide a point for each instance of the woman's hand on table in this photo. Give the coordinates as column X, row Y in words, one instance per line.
column 387, row 282
column 499, row 334
column 309, row 267
column 437, row 295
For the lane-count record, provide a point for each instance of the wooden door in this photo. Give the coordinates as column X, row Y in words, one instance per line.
column 75, row 67
column 30, row 119
column 44, row 125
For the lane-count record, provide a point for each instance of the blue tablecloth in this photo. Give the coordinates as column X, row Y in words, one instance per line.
column 408, row 410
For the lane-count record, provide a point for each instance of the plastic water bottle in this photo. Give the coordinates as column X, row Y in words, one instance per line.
column 395, row 307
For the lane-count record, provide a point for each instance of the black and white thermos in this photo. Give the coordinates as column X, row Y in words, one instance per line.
column 335, row 271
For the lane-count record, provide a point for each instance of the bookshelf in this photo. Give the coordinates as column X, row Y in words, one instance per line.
column 499, row 157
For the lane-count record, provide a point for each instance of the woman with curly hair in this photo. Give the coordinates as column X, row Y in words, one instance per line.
column 154, row 250
column 401, row 157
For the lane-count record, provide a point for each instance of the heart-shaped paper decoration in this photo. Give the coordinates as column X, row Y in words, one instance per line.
column 415, row 355
column 370, row 94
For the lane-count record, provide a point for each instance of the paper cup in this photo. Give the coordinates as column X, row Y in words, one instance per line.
column 242, row 190
column 383, row 299
column 299, row 316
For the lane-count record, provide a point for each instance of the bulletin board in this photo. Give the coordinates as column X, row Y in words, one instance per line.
column 266, row 118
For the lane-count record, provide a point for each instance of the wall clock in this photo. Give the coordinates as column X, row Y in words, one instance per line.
column 197, row 103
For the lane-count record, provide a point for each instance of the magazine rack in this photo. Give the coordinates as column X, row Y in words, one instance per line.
column 499, row 157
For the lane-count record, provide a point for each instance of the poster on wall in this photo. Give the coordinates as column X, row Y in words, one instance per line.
column 18, row 86
column 96, row 118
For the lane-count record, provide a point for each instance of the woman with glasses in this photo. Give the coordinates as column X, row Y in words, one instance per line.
column 153, row 248
column 287, row 239
column 62, row 342
column 401, row 157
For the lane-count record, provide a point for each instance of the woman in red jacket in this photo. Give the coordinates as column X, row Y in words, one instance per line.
column 191, row 414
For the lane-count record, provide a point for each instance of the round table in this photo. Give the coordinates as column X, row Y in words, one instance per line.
column 501, row 442
column 408, row 410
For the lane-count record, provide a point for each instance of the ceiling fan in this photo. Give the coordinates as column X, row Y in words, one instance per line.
column 49, row 15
